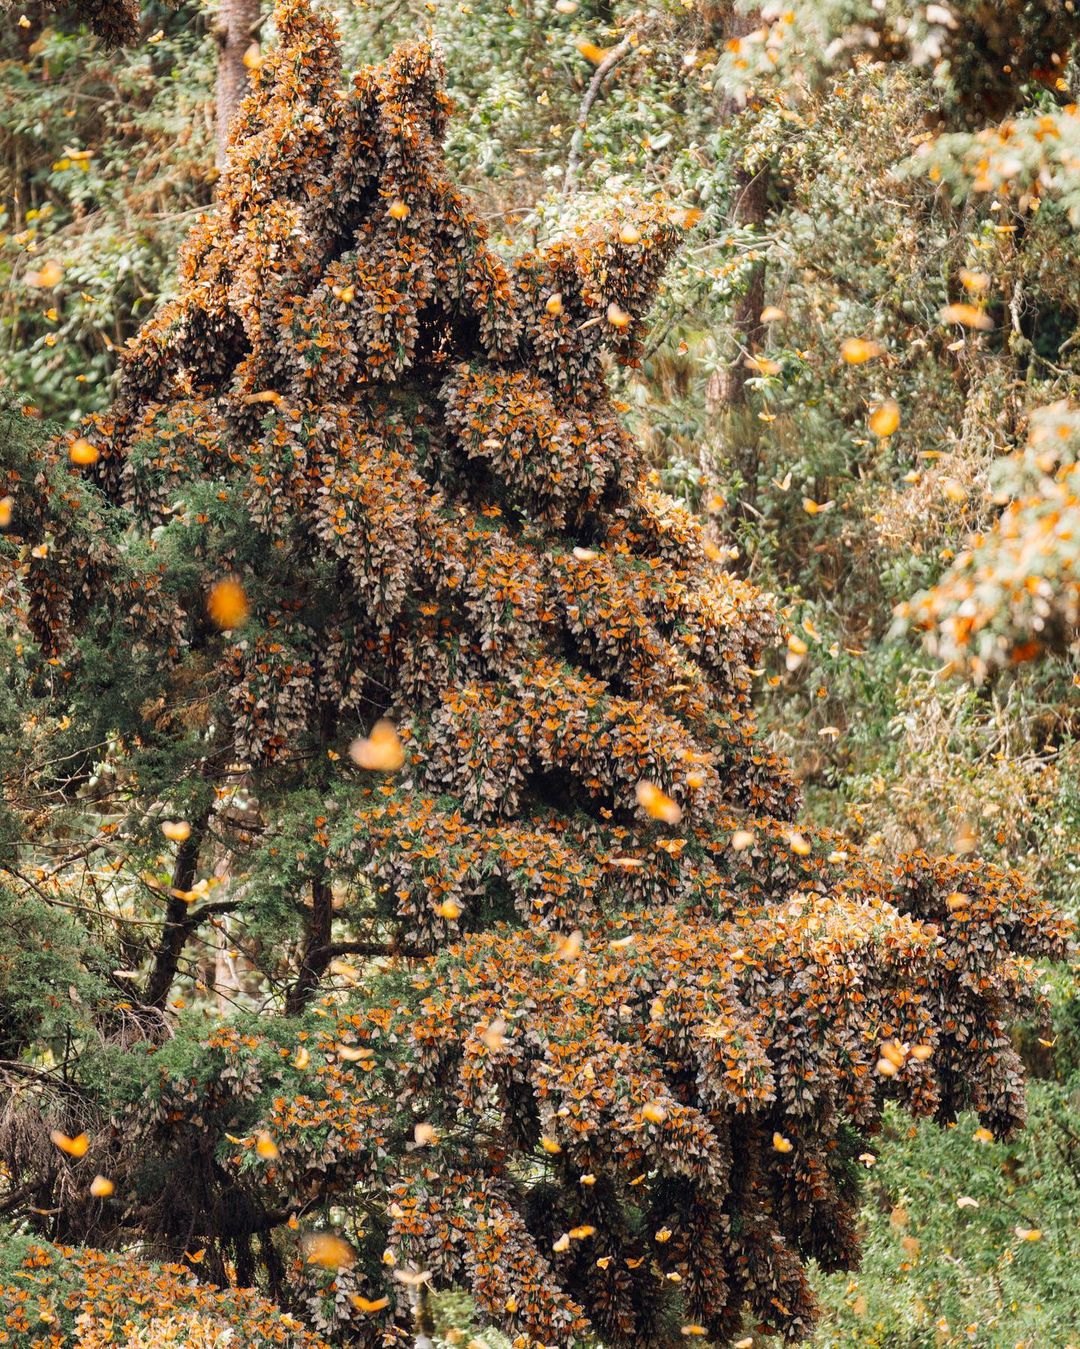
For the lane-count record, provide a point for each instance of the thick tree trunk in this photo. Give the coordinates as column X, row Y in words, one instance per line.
column 237, row 28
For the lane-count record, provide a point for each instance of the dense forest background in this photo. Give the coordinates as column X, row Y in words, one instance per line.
column 858, row 374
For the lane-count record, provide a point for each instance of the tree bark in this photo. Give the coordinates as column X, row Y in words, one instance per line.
column 317, row 950
column 725, row 394
column 178, row 923
column 237, row 28
column 749, row 208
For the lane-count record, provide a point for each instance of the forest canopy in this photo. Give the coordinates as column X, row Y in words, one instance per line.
column 539, row 609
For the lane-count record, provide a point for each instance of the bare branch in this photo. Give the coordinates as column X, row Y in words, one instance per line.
column 600, row 74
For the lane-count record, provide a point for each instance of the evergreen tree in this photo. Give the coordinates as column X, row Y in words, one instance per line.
column 545, row 994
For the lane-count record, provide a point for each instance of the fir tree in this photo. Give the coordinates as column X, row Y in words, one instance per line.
column 547, row 994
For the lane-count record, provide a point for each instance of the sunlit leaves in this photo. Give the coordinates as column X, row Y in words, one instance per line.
column 148, row 1305
column 1015, row 584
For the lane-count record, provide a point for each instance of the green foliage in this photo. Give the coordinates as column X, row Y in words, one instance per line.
column 48, row 996
column 104, row 157
column 938, row 1269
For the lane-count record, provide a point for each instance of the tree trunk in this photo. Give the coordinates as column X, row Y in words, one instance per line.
column 177, row 927
column 751, row 191
column 725, row 394
column 423, row 1319
column 237, row 28
column 317, row 948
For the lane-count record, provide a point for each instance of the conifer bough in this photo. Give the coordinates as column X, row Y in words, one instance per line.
column 625, row 1031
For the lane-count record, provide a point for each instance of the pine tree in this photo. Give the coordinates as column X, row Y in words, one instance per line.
column 546, row 993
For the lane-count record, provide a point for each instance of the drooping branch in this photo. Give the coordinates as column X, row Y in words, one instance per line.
column 576, row 752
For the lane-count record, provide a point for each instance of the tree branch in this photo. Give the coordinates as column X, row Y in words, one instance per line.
column 17, row 1197
column 600, row 74
column 372, row 948
column 179, row 919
